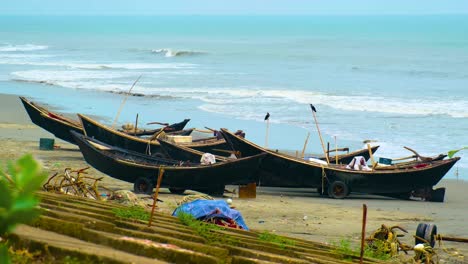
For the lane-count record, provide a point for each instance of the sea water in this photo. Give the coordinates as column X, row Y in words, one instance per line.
column 398, row 80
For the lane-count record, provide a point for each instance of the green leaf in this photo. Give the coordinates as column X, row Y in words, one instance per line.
column 24, row 203
column 6, row 198
column 4, row 255
column 19, row 217
column 451, row 153
column 27, row 170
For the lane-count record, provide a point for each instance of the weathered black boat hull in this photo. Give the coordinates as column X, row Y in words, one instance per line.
column 59, row 128
column 115, row 138
column 130, row 166
column 393, row 181
column 279, row 170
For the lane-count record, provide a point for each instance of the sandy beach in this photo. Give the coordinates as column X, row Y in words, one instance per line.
column 292, row 212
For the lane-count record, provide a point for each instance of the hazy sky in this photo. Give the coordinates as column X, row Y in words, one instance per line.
column 230, row 7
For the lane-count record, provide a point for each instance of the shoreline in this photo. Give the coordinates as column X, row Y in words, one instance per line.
column 292, row 212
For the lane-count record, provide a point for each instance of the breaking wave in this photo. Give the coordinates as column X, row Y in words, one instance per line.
column 103, row 66
column 232, row 101
column 176, row 53
column 25, row 47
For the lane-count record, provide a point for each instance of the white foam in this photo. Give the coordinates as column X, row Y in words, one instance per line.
column 103, row 66
column 175, row 53
column 66, row 76
column 25, row 47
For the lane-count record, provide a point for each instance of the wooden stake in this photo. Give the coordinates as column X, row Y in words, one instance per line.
column 363, row 233
column 155, row 197
column 123, row 102
column 320, row 135
column 371, row 155
column 336, row 151
column 328, row 150
column 305, row 145
column 136, row 125
column 267, row 129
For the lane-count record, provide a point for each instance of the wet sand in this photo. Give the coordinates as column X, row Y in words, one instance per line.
column 293, row 212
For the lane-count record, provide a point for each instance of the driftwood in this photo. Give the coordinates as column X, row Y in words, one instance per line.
column 422, row 158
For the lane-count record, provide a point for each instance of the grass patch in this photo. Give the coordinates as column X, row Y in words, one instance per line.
column 206, row 230
column 134, row 212
column 378, row 250
column 280, row 241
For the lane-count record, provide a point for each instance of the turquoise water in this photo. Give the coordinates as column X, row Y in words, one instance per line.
column 400, row 80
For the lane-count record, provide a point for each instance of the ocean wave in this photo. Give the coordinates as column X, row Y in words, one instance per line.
column 67, row 75
column 232, row 101
column 457, row 108
column 25, row 47
column 104, row 66
column 176, row 53
column 24, row 56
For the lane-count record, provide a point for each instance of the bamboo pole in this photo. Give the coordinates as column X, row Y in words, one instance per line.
column 305, row 145
column 123, row 102
column 267, row 129
column 363, row 232
column 453, row 239
column 136, row 125
column 371, row 155
column 155, row 197
column 336, row 151
column 320, row 135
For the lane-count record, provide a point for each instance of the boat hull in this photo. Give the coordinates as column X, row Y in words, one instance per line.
column 152, row 147
column 130, row 166
column 279, row 170
column 44, row 119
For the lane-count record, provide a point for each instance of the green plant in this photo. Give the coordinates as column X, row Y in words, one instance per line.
column 20, row 256
column 451, row 153
column 206, row 230
column 343, row 248
column 134, row 212
column 18, row 202
column 376, row 250
column 282, row 242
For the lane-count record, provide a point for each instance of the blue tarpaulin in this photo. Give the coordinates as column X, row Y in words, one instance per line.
column 202, row 209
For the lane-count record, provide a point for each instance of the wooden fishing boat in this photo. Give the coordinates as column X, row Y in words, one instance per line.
column 148, row 146
column 54, row 123
column 142, row 170
column 280, row 170
column 61, row 126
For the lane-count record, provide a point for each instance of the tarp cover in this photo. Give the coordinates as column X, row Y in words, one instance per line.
column 203, row 209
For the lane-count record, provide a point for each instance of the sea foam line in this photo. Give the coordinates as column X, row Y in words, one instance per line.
column 25, row 47
column 104, row 66
column 228, row 100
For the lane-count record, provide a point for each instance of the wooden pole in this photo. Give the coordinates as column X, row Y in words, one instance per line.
column 453, row 239
column 363, row 233
column 328, row 150
column 267, row 129
column 320, row 135
column 371, row 155
column 155, row 197
column 305, row 145
column 123, row 102
column 136, row 125
column 336, row 152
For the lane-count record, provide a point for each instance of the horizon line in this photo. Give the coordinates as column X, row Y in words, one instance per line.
column 240, row 15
